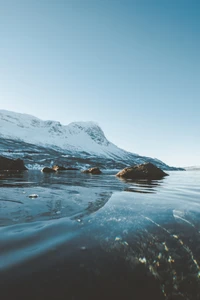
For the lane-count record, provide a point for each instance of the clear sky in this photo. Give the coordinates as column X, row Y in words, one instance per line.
column 132, row 66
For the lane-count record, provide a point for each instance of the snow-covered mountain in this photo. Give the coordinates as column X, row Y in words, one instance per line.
column 32, row 139
column 77, row 136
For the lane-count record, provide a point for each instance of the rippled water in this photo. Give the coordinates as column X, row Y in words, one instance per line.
column 98, row 237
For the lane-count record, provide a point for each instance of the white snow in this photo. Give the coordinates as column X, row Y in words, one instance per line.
column 34, row 166
column 77, row 136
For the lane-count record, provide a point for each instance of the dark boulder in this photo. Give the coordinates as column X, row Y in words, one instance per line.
column 48, row 170
column 8, row 164
column 94, row 171
column 143, row 171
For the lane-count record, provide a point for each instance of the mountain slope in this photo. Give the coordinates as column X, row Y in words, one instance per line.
column 84, row 141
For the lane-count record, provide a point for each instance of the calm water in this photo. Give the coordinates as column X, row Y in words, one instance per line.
column 98, row 237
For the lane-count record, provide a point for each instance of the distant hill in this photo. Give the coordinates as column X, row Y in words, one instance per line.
column 192, row 168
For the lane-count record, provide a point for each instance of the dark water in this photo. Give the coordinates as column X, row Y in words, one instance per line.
column 98, row 237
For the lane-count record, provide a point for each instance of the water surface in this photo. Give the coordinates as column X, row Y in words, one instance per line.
column 99, row 237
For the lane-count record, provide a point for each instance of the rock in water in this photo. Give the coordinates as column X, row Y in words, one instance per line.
column 143, row 171
column 8, row 164
column 48, row 170
column 94, row 171
column 59, row 168
column 33, row 196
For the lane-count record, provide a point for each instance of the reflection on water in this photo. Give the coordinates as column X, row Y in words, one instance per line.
column 142, row 186
column 86, row 237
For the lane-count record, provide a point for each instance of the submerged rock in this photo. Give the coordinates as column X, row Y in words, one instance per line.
column 94, row 171
column 48, row 170
column 8, row 164
column 61, row 168
column 58, row 168
column 143, row 171
column 32, row 196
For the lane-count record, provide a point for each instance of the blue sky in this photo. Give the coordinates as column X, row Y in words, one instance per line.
column 132, row 66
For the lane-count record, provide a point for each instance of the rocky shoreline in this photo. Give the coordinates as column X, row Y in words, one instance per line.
column 141, row 171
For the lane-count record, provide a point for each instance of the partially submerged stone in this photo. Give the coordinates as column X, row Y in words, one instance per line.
column 33, row 196
column 8, row 164
column 48, row 170
column 143, row 171
column 94, row 171
column 61, row 168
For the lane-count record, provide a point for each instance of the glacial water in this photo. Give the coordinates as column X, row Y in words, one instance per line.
column 98, row 237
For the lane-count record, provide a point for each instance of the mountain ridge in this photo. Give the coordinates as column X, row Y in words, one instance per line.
column 84, row 140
